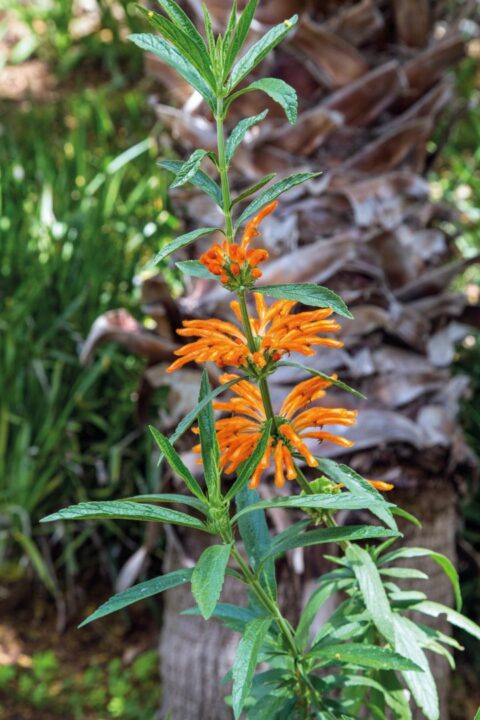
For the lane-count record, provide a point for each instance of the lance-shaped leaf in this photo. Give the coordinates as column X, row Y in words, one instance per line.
column 189, row 168
column 259, row 50
column 249, row 466
column 208, row 440
column 337, row 383
column 183, row 23
column 171, row 56
column 280, row 91
column 253, row 188
column 195, row 269
column 195, row 52
column 176, row 463
column 444, row 562
column 246, row 659
column 272, row 193
column 372, row 590
column 124, row 510
column 180, row 242
column 326, row 535
column 200, row 180
column 232, row 616
column 320, row 501
column 239, row 35
column 208, row 578
column 140, row 592
column 239, row 132
column 368, row 656
column 435, row 609
column 421, row 685
column 357, row 484
column 256, row 538
column 308, row 294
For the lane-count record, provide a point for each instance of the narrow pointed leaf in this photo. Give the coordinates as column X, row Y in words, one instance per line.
column 249, row 466
column 195, row 269
column 176, row 498
column 280, row 92
column 171, row 56
column 240, row 34
column 435, row 609
column 140, row 592
column 368, row 656
column 272, row 193
column 421, row 684
column 308, row 294
column 253, row 189
column 372, row 590
column 124, row 510
column 189, row 168
column 208, row 440
column 256, row 538
column 208, row 578
column 180, row 242
column 246, row 659
column 259, row 50
column 200, row 180
column 323, row 501
column 337, row 383
column 183, row 22
column 239, row 132
column 232, row 616
column 176, row 463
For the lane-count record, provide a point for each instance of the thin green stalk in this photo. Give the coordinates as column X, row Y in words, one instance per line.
column 223, row 169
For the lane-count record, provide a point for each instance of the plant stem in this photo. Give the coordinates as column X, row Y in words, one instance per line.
column 223, row 169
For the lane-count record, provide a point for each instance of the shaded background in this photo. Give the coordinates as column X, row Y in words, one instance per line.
column 83, row 209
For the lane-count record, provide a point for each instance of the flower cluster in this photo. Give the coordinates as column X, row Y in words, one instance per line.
column 295, row 423
column 276, row 331
column 237, row 264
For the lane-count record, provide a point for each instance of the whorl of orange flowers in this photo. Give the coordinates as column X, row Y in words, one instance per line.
column 296, row 422
column 237, row 264
column 276, row 330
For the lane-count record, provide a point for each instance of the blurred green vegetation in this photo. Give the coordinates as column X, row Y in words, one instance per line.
column 104, row 690
column 82, row 209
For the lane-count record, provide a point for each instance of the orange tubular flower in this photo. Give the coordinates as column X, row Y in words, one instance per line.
column 276, row 331
column 235, row 264
column 238, row 434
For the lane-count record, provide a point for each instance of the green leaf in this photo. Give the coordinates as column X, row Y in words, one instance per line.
column 171, row 498
column 256, row 538
column 280, row 92
column 171, row 56
column 208, row 440
column 36, row 559
column 371, row 587
column 407, row 516
column 140, row 592
column 308, row 294
column 318, row 598
column 394, row 695
column 357, row 484
column 446, row 565
column 180, row 242
column 272, row 193
column 327, row 535
column 239, row 132
column 477, row 715
column 337, row 383
column 421, row 685
column 231, row 25
column 124, row 510
column 189, row 168
column 369, row 656
column 200, row 179
column 434, row 609
column 232, row 616
column 249, row 466
column 404, row 573
column 253, row 189
column 239, row 35
column 182, row 21
column 189, row 42
column 208, row 577
column 259, row 50
column 323, row 501
column 176, row 463
column 195, row 269
column 190, row 417
column 246, row 658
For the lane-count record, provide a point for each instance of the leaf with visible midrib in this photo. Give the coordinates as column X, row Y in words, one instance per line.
column 308, row 294
column 140, row 592
column 246, row 658
column 208, row 578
